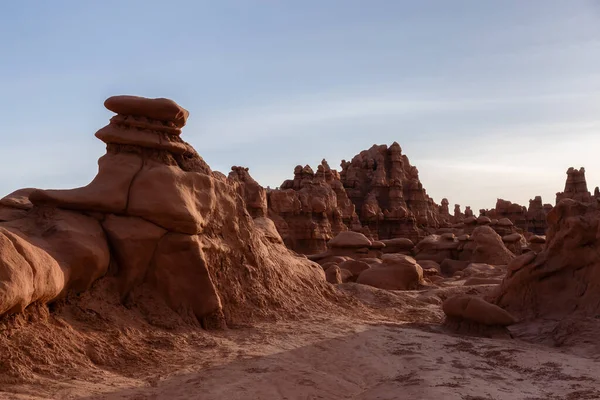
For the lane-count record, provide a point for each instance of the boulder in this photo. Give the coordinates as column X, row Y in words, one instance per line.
column 350, row 239
column 334, row 275
column 397, row 272
column 475, row 309
column 356, row 267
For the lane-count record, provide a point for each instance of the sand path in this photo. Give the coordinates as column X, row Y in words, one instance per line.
column 337, row 360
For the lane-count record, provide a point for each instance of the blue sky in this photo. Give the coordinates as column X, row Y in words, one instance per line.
column 487, row 98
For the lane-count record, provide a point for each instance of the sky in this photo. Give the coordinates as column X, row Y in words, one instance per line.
column 489, row 99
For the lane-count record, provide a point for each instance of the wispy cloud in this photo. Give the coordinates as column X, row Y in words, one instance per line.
column 286, row 118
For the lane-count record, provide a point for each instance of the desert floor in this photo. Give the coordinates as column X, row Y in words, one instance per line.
column 331, row 357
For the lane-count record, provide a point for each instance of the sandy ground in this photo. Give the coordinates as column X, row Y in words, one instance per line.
column 398, row 350
column 336, row 359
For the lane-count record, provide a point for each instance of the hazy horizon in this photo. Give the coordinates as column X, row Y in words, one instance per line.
column 487, row 99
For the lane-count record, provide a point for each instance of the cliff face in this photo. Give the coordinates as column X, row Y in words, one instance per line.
column 387, row 193
column 311, row 209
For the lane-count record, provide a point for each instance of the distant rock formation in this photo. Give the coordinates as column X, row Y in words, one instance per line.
column 575, row 187
column 311, row 209
column 527, row 220
column 563, row 280
column 389, row 198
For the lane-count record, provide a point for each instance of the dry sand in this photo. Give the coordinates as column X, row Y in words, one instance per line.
column 314, row 357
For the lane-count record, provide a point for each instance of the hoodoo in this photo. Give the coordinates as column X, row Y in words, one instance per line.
column 162, row 219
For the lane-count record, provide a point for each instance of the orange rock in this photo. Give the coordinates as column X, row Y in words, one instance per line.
column 160, row 109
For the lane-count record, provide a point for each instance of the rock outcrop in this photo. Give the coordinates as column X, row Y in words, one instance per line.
column 311, row 209
column 162, row 221
column 564, row 278
column 575, row 187
column 396, row 272
column 389, row 198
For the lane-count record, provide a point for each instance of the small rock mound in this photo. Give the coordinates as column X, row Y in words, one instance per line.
column 396, row 272
column 472, row 314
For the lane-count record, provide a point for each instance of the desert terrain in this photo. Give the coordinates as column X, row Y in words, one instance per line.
column 163, row 279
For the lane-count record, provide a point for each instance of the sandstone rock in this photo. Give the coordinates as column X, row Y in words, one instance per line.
column 153, row 195
column 333, row 275
column 133, row 242
column 429, row 264
column 48, row 254
column 350, row 240
column 177, row 200
column 398, row 245
column 386, row 190
column 347, row 276
column 108, row 191
column 537, row 239
column 483, row 220
column 489, row 247
column 482, row 281
column 575, row 187
column 449, row 267
column 397, row 272
column 158, row 109
column 481, row 270
column 436, row 248
column 356, row 267
column 267, row 227
column 563, row 279
column 513, row 237
column 10, row 214
column 253, row 194
column 472, row 308
column 311, row 209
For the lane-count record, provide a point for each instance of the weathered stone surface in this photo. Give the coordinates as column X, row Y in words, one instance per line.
column 564, row 278
column 397, row 272
column 575, row 187
column 253, row 194
column 472, row 308
column 133, row 242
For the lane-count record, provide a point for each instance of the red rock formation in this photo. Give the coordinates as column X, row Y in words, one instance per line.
column 575, row 187
column 311, row 209
column 169, row 227
column 513, row 211
column 536, row 216
column 458, row 215
column 387, row 193
column 253, row 194
column 563, row 280
column 444, row 211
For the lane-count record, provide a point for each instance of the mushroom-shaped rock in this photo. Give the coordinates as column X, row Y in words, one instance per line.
column 267, row 227
column 356, row 267
column 483, row 220
column 159, row 109
column 475, row 309
column 350, row 239
column 505, row 222
column 18, row 199
column 397, row 272
column 450, row 267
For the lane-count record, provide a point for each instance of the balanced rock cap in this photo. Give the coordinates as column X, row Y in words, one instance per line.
column 158, row 109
